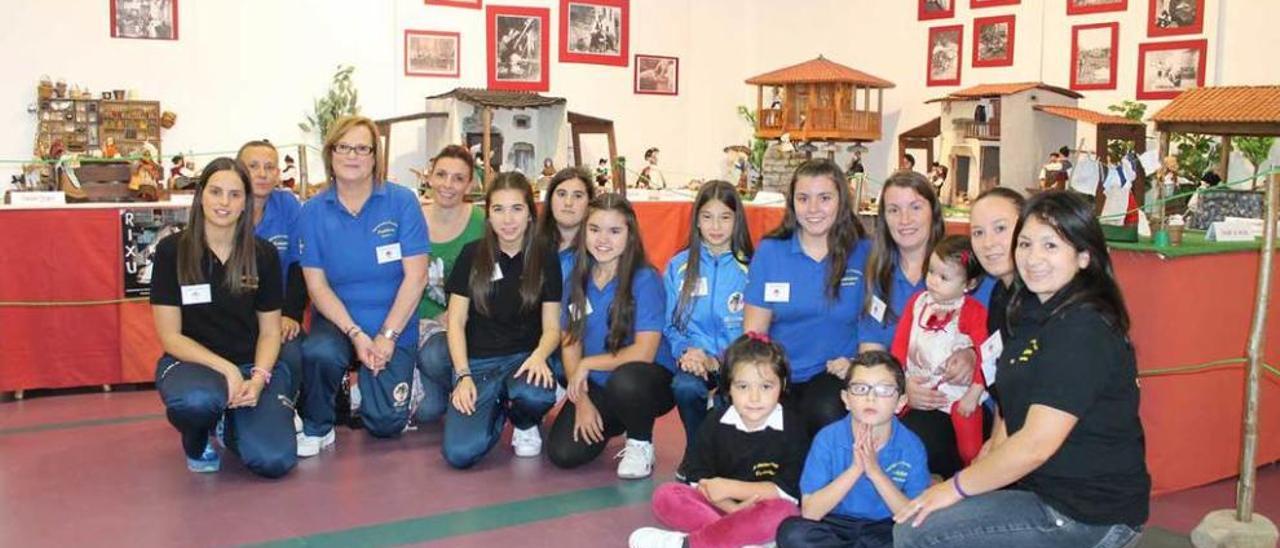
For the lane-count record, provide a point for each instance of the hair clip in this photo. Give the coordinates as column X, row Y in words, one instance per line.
column 964, row 258
column 757, row 336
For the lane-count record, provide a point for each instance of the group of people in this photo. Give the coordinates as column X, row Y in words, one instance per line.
column 831, row 383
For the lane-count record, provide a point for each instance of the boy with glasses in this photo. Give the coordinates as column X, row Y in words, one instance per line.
column 862, row 469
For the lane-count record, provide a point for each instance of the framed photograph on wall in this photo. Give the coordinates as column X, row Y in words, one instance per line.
column 993, row 41
column 1081, row 7
column 1094, row 50
column 595, row 31
column 1175, row 17
column 657, row 75
column 1166, row 69
column 431, row 53
column 936, row 9
column 144, row 19
column 473, row 4
column 945, row 48
column 976, row 4
column 516, row 44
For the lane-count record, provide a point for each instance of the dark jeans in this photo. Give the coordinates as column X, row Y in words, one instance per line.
column 1008, row 519
column 195, row 398
column 467, row 438
column 935, row 430
column 835, row 531
column 817, row 401
column 384, row 398
column 635, row 395
column 691, row 392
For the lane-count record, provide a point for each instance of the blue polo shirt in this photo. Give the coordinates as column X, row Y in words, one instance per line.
column 871, row 330
column 792, row 285
column 279, row 220
column 902, row 458
column 646, row 288
column 566, row 262
column 356, row 252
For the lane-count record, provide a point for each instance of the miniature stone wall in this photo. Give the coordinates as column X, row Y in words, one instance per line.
column 1218, row 204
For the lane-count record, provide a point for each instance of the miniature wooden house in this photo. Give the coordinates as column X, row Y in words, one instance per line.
column 819, row 100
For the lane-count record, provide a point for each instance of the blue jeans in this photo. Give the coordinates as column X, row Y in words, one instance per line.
column 1008, row 518
column 691, row 392
column 291, row 358
column 195, row 398
column 436, row 369
column 384, row 398
column 467, row 438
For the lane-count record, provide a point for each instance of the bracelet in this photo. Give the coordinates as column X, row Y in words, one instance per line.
column 353, row 331
column 258, row 370
column 389, row 334
column 955, row 482
column 464, row 375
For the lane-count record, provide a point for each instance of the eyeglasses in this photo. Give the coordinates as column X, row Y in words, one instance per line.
column 880, row 390
column 360, row 150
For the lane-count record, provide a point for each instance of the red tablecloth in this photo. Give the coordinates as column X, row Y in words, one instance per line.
column 1185, row 311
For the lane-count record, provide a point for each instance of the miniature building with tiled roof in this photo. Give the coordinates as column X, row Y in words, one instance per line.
column 819, row 100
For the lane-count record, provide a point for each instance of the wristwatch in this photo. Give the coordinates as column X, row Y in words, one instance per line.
column 389, row 334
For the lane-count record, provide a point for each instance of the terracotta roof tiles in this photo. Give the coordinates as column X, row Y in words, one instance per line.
column 1256, row 104
column 820, row 70
column 500, row 99
column 1089, row 116
column 999, row 90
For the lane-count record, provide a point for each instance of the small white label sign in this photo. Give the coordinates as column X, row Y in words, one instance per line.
column 388, row 253
column 777, row 292
column 196, row 294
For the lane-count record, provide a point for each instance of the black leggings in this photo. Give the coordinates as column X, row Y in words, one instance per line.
column 635, row 395
column 818, row 401
column 939, row 436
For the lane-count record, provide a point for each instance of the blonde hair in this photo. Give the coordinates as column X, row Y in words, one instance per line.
column 339, row 128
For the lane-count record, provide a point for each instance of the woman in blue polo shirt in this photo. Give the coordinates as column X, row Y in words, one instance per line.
column 215, row 296
column 275, row 219
column 805, row 288
column 364, row 256
column 705, row 284
column 617, row 367
column 563, row 210
column 504, row 324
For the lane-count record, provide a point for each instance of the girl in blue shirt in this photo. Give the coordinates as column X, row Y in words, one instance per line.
column 704, row 285
column 364, row 256
column 563, row 210
column 805, row 288
column 613, row 345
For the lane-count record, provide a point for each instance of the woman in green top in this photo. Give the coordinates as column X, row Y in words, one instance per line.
column 453, row 223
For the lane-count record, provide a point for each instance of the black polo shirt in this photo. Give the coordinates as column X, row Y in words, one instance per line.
column 228, row 324
column 509, row 328
column 1069, row 358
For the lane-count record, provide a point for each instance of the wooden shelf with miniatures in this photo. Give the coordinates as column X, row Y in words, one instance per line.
column 74, row 122
column 127, row 125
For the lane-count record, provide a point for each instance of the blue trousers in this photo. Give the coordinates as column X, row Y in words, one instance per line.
column 326, row 355
column 499, row 396
column 835, row 531
column 691, row 392
column 436, row 369
column 195, row 397
column 1008, row 518
column 291, row 358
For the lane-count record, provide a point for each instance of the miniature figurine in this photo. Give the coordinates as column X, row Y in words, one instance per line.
column 289, row 175
column 651, row 175
column 602, row 172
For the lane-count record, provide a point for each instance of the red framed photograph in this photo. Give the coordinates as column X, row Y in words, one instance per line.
column 976, row 4
column 946, row 45
column 431, row 53
column 657, row 75
column 595, row 31
column 1082, row 7
column 144, row 19
column 473, row 4
column 993, row 40
column 516, row 44
column 1175, row 17
column 1166, row 69
column 1094, row 51
column 936, row 9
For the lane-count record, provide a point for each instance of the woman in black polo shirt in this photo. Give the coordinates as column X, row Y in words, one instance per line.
column 504, row 323
column 1069, row 441
column 216, row 297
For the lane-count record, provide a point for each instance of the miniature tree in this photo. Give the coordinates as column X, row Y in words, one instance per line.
column 1256, row 150
column 340, row 101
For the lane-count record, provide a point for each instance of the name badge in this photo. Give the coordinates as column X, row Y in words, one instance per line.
column 573, row 310
column 991, row 350
column 877, row 308
column 388, row 253
column 777, row 292
column 702, row 289
column 497, row 272
column 196, row 294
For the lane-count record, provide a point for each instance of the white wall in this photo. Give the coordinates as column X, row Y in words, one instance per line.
column 246, row 69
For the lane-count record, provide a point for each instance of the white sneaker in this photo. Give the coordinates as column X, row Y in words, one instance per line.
column 653, row 537
column 310, row 446
column 297, row 423
column 528, row 442
column 637, row 460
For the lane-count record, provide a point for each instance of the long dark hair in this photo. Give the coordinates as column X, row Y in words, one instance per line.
column 1002, row 192
column 845, row 231
column 481, row 281
column 884, row 251
column 242, row 264
column 752, row 348
column 739, row 242
column 1095, row 286
column 548, row 232
column 622, row 313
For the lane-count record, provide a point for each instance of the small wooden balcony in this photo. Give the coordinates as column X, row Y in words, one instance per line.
column 986, row 131
column 819, row 100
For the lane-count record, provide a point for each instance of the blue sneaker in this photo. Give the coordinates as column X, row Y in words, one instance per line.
column 207, row 463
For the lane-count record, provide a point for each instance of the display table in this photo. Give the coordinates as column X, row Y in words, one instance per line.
column 1186, row 310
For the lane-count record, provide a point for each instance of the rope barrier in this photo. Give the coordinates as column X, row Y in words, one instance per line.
column 95, row 160
column 50, row 304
